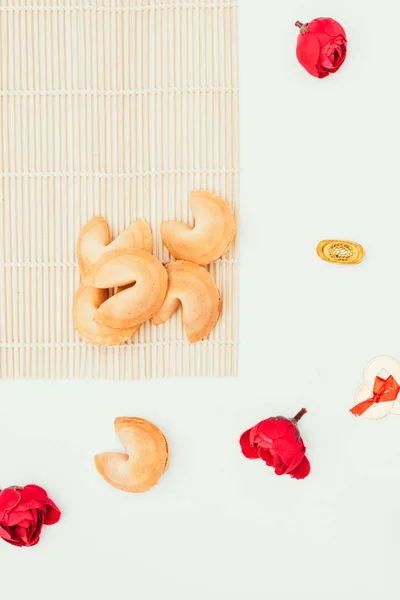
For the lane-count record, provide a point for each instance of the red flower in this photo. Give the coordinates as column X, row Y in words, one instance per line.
column 278, row 443
column 23, row 512
column 321, row 46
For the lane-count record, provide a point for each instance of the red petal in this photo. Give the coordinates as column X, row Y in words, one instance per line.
column 266, row 456
column 25, row 523
column 35, row 491
column 332, row 56
column 34, row 542
column 307, row 52
column 16, row 543
column 9, row 498
column 22, row 534
column 339, row 60
column 269, row 429
column 34, row 533
column 272, row 460
column 53, row 513
column 302, row 470
column 247, row 448
column 33, row 496
column 5, row 535
column 295, row 462
column 289, row 446
column 326, row 26
column 281, row 470
column 16, row 516
column 277, row 461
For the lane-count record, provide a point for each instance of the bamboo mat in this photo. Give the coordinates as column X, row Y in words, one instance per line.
column 120, row 109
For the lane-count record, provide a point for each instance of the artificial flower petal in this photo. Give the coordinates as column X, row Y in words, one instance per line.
column 302, row 470
column 4, row 534
column 36, row 531
column 53, row 513
column 326, row 26
column 32, row 496
column 33, row 493
column 289, row 446
column 308, row 54
column 297, row 459
column 25, row 523
column 247, row 448
column 266, row 456
column 22, row 534
column 16, row 516
column 270, row 429
column 280, row 469
column 9, row 498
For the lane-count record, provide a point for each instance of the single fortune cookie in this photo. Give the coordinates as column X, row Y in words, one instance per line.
column 194, row 288
column 340, row 252
column 87, row 301
column 137, row 303
column 146, row 459
column 209, row 237
column 95, row 240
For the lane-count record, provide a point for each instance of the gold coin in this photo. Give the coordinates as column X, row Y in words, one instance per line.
column 340, row 252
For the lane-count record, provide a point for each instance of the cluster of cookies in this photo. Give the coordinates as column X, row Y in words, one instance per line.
column 145, row 288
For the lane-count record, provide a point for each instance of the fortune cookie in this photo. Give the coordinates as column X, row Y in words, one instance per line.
column 194, row 288
column 133, row 305
column 95, row 239
column 86, row 302
column 145, row 461
column 211, row 235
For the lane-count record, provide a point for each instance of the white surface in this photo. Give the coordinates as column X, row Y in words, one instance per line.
column 320, row 160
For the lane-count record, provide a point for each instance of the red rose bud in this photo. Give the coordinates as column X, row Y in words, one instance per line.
column 278, row 443
column 321, row 46
column 23, row 512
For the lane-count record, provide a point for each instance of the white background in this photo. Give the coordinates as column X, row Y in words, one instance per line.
column 319, row 159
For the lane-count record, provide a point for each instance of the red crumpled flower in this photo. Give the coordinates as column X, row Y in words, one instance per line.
column 23, row 512
column 321, row 46
column 278, row 443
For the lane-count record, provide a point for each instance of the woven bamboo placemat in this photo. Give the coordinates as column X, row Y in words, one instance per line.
column 120, row 109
